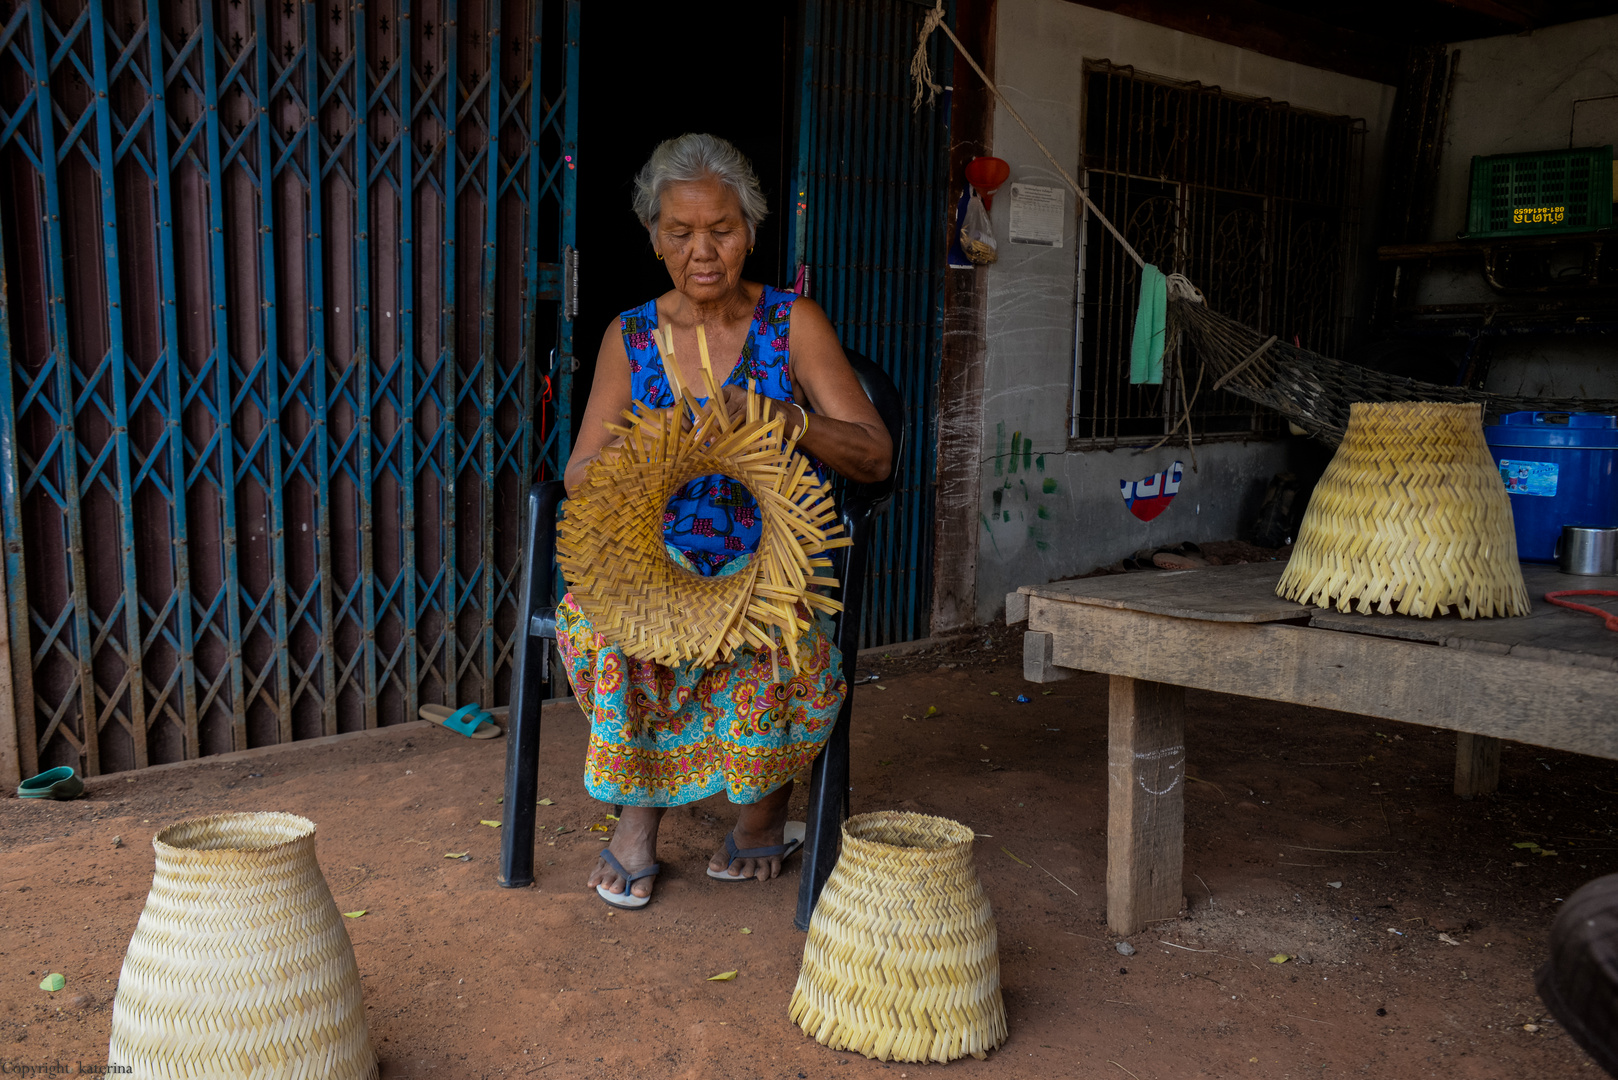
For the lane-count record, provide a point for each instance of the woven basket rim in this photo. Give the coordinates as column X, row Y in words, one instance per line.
column 1397, row 406
column 701, row 461
column 947, row 833
column 297, row 830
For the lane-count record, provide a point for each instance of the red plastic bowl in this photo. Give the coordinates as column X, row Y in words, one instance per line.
column 986, row 174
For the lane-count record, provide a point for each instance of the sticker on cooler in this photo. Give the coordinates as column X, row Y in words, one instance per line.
column 1529, row 477
column 1150, row 497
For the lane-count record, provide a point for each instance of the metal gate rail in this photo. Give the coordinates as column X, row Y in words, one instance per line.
column 872, row 178
column 258, row 479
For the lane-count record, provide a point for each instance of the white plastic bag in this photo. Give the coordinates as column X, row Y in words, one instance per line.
column 977, row 235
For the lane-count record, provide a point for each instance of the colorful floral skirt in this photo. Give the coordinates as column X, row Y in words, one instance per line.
column 662, row 736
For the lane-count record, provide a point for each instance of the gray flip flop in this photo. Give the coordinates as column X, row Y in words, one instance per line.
column 795, row 832
column 626, row 899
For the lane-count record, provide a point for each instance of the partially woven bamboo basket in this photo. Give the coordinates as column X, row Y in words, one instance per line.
column 901, row 962
column 240, row 966
column 1410, row 517
column 610, row 545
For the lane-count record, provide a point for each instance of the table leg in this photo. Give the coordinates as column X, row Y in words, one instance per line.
column 1145, row 802
column 1037, row 665
column 1477, row 765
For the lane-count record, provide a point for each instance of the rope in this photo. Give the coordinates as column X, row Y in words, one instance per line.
column 918, row 63
column 1180, row 287
column 1185, row 421
column 1607, row 616
column 920, row 70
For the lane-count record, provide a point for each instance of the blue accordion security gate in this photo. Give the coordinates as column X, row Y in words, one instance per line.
column 278, row 283
column 870, row 227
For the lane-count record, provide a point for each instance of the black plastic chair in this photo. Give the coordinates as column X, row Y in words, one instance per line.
column 536, row 602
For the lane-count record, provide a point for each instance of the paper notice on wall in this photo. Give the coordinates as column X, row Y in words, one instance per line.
column 1037, row 215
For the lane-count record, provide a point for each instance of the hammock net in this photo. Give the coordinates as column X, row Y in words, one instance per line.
column 1314, row 391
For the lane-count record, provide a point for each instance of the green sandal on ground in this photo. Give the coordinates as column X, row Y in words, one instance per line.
column 58, row 783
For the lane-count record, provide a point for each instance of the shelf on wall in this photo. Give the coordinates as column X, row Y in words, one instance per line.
column 1546, row 265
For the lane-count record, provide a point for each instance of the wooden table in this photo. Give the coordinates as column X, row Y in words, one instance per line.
column 1548, row 679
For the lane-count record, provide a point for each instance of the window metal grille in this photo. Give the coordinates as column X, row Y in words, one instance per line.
column 1253, row 200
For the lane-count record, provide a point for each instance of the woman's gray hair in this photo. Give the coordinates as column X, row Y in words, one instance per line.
column 695, row 157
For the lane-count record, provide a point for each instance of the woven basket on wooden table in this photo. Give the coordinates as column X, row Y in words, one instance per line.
column 610, row 545
column 240, row 965
column 901, row 962
column 1410, row 517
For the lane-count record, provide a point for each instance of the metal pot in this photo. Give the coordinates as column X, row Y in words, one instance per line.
column 1588, row 550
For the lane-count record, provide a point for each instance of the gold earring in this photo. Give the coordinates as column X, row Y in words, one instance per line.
column 750, row 251
column 659, row 255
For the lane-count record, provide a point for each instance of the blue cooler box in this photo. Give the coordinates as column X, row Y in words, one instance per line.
column 1559, row 469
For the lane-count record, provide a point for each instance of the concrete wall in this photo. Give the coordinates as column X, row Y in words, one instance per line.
column 1055, row 515
column 1030, row 534
column 1546, row 90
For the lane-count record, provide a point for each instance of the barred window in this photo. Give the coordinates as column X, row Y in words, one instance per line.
column 1253, row 200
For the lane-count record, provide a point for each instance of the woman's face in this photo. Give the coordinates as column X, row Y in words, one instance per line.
column 702, row 237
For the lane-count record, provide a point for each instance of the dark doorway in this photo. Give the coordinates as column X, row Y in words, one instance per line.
column 648, row 72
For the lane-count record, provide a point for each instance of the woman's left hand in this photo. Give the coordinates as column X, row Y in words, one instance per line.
column 845, row 431
column 839, row 426
column 736, row 408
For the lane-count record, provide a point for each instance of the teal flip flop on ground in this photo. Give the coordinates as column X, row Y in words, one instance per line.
column 469, row 720
column 58, row 783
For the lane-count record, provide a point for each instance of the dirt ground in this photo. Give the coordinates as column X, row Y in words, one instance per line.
column 1330, row 838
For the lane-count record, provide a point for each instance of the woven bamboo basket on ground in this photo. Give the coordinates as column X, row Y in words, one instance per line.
column 1410, row 517
column 901, row 962
column 240, row 965
column 609, row 545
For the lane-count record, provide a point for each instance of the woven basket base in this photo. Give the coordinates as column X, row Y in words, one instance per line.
column 240, row 966
column 1410, row 518
column 901, row 962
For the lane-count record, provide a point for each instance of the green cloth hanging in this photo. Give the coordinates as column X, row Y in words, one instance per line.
column 1151, row 321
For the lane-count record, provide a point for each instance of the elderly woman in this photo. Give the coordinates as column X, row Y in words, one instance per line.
column 662, row 736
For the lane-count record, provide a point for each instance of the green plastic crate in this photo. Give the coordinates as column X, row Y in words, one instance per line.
column 1554, row 191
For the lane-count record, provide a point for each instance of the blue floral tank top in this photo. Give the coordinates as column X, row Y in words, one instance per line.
column 712, row 520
